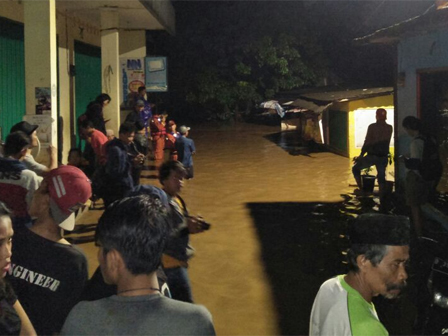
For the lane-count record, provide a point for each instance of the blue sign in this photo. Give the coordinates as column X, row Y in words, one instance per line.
column 156, row 74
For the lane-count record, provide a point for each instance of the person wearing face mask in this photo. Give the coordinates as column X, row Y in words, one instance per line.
column 48, row 273
column 376, row 260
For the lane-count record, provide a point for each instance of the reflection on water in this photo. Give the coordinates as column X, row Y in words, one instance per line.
column 278, row 226
column 292, row 143
column 303, row 244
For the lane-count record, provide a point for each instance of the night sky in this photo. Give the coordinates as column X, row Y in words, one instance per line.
column 208, row 33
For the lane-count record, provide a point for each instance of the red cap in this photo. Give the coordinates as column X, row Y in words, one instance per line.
column 381, row 114
column 69, row 189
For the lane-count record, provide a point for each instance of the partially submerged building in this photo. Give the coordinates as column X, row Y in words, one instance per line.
column 341, row 115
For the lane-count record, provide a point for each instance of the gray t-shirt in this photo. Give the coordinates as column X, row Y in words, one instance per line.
column 138, row 315
column 31, row 164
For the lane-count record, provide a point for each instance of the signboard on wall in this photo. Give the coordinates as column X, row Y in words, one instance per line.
column 365, row 117
column 43, row 100
column 132, row 77
column 156, row 74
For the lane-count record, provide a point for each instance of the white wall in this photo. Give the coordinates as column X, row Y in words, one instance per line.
column 419, row 53
column 414, row 54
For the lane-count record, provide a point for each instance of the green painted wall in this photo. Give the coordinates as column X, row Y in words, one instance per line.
column 88, row 76
column 338, row 123
column 12, row 75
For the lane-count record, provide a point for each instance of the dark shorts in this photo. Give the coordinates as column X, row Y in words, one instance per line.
column 380, row 162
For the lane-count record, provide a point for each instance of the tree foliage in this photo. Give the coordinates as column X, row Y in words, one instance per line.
column 256, row 71
column 239, row 53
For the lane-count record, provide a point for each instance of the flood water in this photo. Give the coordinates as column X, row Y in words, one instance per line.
column 279, row 216
column 249, row 269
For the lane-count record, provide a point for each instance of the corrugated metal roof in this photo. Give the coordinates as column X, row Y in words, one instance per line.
column 430, row 20
column 347, row 95
column 320, row 98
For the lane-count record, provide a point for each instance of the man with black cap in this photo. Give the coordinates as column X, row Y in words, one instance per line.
column 376, row 260
column 29, row 161
column 47, row 273
column 376, row 146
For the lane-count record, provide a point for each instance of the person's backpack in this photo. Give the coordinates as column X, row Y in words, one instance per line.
column 430, row 167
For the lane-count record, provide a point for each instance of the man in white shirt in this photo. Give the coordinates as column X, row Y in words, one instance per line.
column 376, row 261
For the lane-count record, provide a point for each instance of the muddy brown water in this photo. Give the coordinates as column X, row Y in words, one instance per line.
column 278, row 216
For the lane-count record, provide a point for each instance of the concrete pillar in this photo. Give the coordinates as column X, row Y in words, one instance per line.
column 41, row 57
column 66, row 89
column 110, row 63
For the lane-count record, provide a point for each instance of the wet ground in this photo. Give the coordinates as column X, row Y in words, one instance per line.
column 279, row 216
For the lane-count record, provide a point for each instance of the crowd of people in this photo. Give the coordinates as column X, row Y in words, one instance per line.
column 142, row 283
column 143, row 234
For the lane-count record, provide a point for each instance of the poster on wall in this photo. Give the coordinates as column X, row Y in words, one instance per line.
column 156, row 74
column 43, row 100
column 44, row 131
column 365, row 117
column 132, row 77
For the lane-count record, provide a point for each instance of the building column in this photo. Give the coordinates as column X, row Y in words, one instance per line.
column 110, row 65
column 41, row 62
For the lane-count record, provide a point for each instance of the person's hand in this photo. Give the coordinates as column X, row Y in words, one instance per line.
column 139, row 159
column 194, row 225
column 52, row 151
column 355, row 159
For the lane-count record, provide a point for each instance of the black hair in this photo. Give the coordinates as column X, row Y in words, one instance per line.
column 86, row 123
column 412, row 123
column 15, row 142
column 102, row 98
column 127, row 127
column 141, row 88
column 374, row 253
column 136, row 227
column 75, row 150
column 139, row 125
column 168, row 167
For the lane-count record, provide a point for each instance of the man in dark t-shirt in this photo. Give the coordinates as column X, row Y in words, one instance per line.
column 47, row 273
